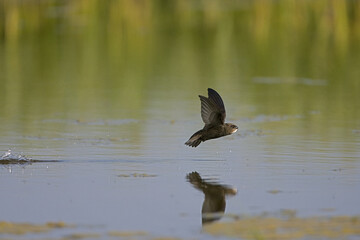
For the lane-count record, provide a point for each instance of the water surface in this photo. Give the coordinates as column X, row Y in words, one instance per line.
column 106, row 113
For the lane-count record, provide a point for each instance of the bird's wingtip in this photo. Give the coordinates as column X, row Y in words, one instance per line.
column 212, row 92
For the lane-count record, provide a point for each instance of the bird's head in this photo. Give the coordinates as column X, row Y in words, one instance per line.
column 230, row 128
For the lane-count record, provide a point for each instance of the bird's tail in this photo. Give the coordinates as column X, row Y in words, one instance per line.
column 195, row 139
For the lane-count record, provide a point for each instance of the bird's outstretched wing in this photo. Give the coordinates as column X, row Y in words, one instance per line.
column 212, row 109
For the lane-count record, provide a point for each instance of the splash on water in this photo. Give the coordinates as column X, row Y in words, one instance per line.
column 13, row 158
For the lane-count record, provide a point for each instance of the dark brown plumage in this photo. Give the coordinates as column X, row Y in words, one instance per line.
column 213, row 114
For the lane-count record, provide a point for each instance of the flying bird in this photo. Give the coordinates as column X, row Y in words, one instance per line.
column 213, row 114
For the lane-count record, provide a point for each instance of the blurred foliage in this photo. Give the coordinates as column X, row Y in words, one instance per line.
column 85, row 55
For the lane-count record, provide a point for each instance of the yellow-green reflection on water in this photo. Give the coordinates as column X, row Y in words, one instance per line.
column 65, row 56
column 25, row 228
column 260, row 227
column 294, row 228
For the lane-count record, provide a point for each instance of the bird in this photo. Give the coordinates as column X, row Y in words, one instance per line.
column 213, row 115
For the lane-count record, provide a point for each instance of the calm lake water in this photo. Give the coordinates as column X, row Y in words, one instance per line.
column 107, row 110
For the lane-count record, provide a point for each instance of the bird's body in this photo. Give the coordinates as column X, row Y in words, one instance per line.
column 213, row 114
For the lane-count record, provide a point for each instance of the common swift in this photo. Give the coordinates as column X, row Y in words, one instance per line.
column 213, row 114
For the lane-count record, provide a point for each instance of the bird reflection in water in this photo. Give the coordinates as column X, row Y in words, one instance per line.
column 214, row 204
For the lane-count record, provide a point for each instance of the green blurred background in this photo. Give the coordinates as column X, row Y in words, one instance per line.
column 94, row 56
